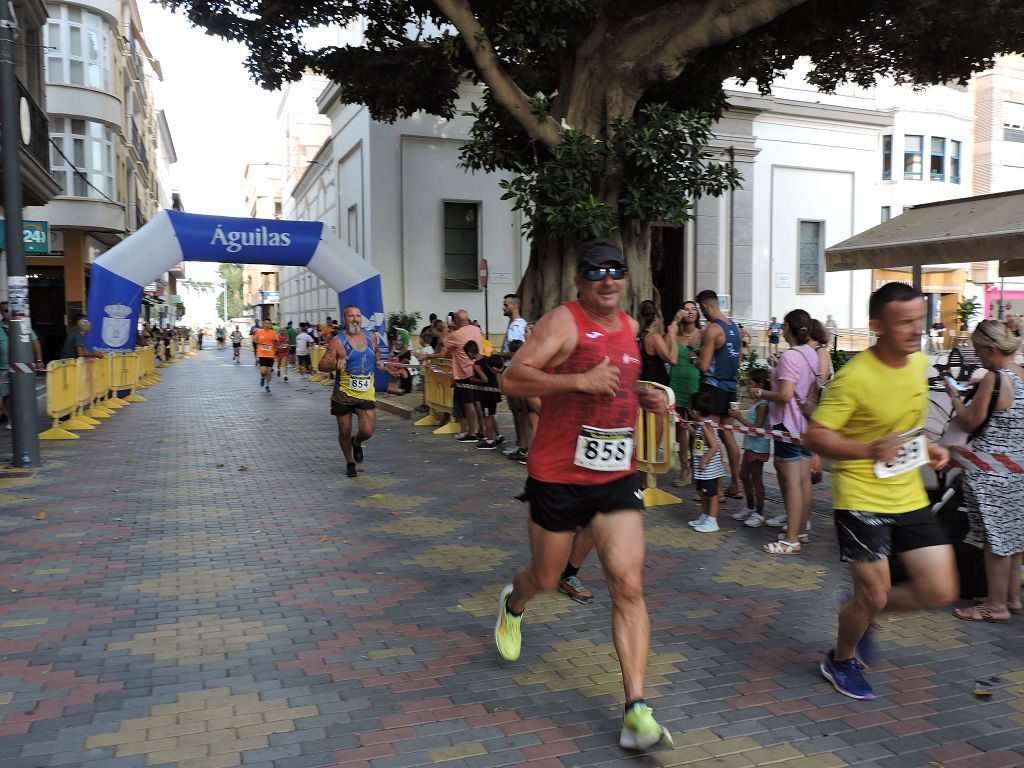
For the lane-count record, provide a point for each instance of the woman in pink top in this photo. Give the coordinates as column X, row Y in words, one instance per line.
column 791, row 381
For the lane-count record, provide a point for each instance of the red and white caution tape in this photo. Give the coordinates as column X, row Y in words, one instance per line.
column 997, row 463
column 21, row 368
column 773, row 434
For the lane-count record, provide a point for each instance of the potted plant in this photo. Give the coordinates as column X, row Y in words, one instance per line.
column 965, row 310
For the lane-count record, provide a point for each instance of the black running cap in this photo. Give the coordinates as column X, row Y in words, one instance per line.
column 599, row 255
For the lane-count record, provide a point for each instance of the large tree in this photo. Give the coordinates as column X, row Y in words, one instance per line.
column 601, row 109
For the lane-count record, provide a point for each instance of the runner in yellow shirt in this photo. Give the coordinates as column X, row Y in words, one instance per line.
column 869, row 421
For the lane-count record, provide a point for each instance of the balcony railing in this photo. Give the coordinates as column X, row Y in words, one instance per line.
column 39, row 145
column 140, row 147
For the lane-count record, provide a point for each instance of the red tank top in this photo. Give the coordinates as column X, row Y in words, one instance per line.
column 553, row 452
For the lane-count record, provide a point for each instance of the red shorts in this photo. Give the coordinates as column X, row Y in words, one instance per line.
column 282, row 353
column 752, row 456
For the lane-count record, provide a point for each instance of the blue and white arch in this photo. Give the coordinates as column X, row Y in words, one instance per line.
column 170, row 237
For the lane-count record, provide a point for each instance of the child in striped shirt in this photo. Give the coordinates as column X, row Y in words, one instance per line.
column 706, row 453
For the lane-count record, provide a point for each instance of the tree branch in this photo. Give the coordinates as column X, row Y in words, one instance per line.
column 503, row 88
column 661, row 47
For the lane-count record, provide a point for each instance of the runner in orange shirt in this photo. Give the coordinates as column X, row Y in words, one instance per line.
column 265, row 342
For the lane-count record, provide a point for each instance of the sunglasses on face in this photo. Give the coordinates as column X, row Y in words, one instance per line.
column 599, row 273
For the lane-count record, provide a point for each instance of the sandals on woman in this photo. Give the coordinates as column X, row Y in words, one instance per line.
column 782, row 548
column 980, row 612
column 803, row 538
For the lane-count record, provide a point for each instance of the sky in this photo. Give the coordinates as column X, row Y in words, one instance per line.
column 219, row 118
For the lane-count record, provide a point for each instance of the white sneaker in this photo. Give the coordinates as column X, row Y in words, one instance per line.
column 756, row 520
column 742, row 515
column 698, row 521
column 707, row 525
column 776, row 522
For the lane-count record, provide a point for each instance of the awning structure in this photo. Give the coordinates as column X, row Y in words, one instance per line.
column 982, row 228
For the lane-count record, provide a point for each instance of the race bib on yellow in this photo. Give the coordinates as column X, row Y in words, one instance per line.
column 698, row 445
column 911, row 455
column 359, row 383
column 604, row 450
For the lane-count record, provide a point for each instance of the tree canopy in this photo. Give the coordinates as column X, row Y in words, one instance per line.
column 602, row 109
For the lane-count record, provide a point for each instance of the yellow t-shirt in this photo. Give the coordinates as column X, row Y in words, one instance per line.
column 868, row 400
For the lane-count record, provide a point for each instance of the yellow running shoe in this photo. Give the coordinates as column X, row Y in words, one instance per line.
column 506, row 630
column 641, row 731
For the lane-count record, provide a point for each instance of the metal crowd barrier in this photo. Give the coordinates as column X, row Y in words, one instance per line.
column 316, row 354
column 79, row 393
column 439, row 393
column 655, row 446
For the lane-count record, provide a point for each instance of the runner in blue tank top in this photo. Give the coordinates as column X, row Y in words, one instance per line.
column 719, row 364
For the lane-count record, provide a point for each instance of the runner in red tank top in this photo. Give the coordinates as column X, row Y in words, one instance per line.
column 583, row 360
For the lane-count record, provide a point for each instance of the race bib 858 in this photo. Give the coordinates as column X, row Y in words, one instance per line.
column 604, row 450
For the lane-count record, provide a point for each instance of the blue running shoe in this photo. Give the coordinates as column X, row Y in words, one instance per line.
column 847, row 677
column 867, row 647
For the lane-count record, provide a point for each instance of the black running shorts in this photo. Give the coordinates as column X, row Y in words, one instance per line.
column 560, row 507
column 720, row 398
column 344, row 409
column 866, row 537
column 266, row 362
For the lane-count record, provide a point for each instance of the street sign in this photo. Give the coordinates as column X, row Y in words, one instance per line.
column 35, row 235
column 483, row 273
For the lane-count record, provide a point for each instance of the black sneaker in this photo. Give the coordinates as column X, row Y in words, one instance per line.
column 286, row 378
column 357, row 452
column 465, row 437
column 486, row 445
column 523, row 456
column 350, row 470
column 279, row 373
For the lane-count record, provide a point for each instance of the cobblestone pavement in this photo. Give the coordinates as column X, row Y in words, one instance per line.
column 195, row 583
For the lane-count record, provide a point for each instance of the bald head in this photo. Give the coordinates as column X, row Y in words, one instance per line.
column 461, row 318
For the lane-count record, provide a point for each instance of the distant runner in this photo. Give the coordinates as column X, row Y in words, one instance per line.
column 353, row 353
column 264, row 341
column 236, row 345
column 284, row 352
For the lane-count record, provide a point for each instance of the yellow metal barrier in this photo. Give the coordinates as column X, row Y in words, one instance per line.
column 439, row 394
column 99, row 385
column 62, row 401
column 147, row 366
column 124, row 376
column 655, row 447
column 107, row 397
column 316, row 354
column 84, row 390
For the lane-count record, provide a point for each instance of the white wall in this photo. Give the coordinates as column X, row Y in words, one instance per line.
column 811, row 170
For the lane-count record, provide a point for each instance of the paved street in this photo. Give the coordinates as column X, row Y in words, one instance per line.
column 195, row 583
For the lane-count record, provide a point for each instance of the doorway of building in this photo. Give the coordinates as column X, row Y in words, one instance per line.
column 668, row 265
column 46, row 303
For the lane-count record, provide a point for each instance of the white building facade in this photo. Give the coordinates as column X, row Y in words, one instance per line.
column 817, row 169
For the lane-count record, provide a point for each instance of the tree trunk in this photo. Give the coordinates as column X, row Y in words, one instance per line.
column 549, row 278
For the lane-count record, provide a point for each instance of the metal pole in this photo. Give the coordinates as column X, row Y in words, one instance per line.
column 22, row 368
column 224, row 296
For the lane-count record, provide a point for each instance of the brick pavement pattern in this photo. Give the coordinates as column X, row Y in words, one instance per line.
column 207, row 589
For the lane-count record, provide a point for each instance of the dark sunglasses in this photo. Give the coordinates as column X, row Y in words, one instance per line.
column 598, row 273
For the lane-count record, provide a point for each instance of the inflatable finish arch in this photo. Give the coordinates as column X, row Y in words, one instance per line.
column 170, row 237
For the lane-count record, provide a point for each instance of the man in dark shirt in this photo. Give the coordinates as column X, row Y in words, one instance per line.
column 74, row 345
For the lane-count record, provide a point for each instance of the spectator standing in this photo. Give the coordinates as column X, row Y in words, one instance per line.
column 792, row 380
column 5, row 351
column 303, row 341
column 995, row 501
column 684, row 378
column 74, row 344
column 774, row 329
column 292, row 335
column 453, row 347
column 719, row 364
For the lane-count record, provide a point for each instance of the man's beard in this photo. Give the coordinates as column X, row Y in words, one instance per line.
column 353, row 328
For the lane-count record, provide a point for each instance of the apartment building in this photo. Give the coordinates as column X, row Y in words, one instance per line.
column 102, row 140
